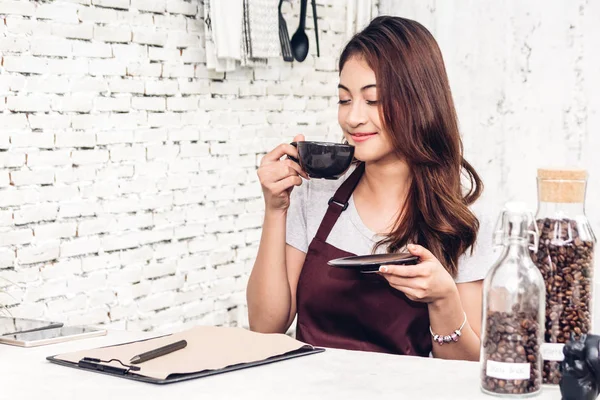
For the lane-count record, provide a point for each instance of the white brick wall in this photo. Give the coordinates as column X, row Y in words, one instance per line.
column 524, row 78
column 128, row 190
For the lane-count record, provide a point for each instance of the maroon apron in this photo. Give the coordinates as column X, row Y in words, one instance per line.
column 346, row 309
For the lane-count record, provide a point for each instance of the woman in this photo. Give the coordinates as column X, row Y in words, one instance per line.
column 404, row 194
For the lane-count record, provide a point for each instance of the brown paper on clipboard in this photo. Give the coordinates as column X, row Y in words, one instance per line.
column 208, row 348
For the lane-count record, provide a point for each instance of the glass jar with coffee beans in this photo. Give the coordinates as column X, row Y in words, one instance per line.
column 513, row 310
column 565, row 259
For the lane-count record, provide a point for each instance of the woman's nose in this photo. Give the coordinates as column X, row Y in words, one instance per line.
column 357, row 115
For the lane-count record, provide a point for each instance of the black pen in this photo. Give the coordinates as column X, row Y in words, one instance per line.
column 161, row 351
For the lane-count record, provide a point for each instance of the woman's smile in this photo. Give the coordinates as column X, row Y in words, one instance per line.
column 362, row 136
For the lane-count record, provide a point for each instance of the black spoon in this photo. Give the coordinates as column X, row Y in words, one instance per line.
column 299, row 41
column 314, row 8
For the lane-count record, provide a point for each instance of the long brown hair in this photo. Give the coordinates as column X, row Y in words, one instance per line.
column 417, row 110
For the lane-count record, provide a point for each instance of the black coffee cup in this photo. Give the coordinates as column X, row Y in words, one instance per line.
column 324, row 159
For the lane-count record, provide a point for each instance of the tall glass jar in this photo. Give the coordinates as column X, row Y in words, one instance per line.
column 513, row 310
column 565, row 259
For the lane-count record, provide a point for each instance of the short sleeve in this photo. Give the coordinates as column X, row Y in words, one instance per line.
column 296, row 223
column 475, row 266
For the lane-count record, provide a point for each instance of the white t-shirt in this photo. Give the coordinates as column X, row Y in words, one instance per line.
column 309, row 203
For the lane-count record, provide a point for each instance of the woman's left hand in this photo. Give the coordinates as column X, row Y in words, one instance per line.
column 427, row 282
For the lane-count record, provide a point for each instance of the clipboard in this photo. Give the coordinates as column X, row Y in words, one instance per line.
column 210, row 351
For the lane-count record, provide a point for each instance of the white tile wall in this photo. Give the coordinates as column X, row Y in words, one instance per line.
column 128, row 191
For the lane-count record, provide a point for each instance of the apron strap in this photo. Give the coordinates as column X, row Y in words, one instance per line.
column 339, row 202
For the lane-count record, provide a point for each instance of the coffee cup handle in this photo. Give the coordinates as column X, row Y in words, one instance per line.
column 294, row 159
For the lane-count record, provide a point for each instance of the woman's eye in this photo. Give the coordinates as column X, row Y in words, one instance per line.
column 372, row 103
column 340, row 101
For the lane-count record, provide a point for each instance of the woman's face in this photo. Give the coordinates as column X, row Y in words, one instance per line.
column 358, row 112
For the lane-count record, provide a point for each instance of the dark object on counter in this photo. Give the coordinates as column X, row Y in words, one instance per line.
column 284, row 37
column 299, row 39
column 323, row 159
column 159, row 352
column 314, row 10
column 580, row 368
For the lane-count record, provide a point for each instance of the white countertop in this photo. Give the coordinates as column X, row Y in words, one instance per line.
column 333, row 374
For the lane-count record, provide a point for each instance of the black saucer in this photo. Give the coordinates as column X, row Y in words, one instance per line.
column 372, row 262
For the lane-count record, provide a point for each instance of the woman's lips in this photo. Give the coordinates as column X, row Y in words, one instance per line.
column 361, row 137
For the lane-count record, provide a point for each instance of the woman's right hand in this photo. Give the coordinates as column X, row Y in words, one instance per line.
column 278, row 176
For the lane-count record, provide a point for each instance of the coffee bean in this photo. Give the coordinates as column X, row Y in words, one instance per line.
column 512, row 338
column 566, row 262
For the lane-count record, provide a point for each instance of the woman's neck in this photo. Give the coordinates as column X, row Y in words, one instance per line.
column 381, row 193
column 386, row 180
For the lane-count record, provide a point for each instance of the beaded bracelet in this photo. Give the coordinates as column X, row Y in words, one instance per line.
column 440, row 339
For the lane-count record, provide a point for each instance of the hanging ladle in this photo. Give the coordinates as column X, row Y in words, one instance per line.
column 299, row 41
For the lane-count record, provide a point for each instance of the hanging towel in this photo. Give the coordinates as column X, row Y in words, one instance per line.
column 227, row 17
column 246, row 46
column 263, row 24
column 261, row 32
column 212, row 62
column 244, row 32
column 223, row 34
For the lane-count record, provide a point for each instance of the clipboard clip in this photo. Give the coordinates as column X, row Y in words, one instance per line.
column 95, row 364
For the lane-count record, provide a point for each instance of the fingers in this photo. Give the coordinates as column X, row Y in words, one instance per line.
column 296, row 167
column 421, row 252
column 406, row 271
column 411, row 278
column 282, row 150
column 273, row 168
column 278, row 152
column 287, row 183
column 271, row 174
column 299, row 138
